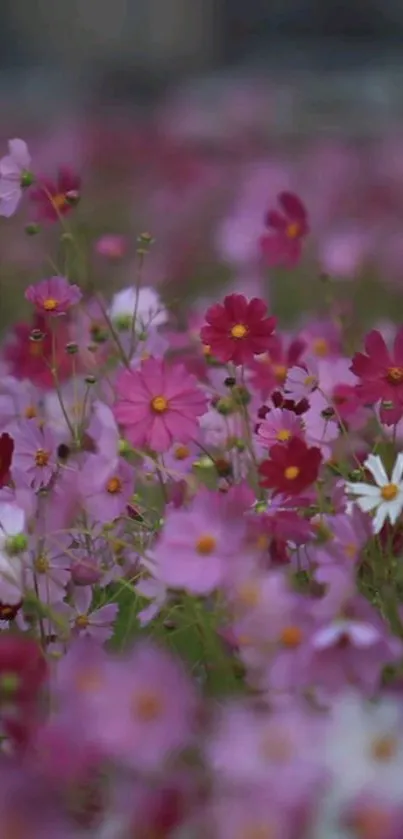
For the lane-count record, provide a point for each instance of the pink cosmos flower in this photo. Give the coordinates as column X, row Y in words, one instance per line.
column 35, row 457
column 282, row 245
column 300, row 381
column 14, row 168
column 352, row 649
column 153, row 710
column 54, row 198
column 158, row 405
column 279, row 426
column 54, row 296
column 275, row 749
column 196, row 545
column 320, row 423
column 47, row 572
column 269, row 371
column 105, row 487
column 322, row 339
column 112, row 246
column 86, row 622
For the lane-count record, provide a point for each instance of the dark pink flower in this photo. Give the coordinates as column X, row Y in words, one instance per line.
column 54, row 296
column 381, row 375
column 282, row 245
column 55, row 198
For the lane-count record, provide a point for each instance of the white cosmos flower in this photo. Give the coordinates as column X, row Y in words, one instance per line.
column 386, row 497
column 12, row 544
column 149, row 308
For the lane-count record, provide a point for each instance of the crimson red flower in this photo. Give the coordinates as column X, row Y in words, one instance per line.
column 32, row 360
column 237, row 329
column 23, row 668
column 55, row 198
column 291, row 468
column 381, row 375
column 23, row 673
column 6, row 456
column 282, row 244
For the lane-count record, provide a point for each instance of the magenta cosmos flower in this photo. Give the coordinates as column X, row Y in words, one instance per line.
column 282, row 244
column 35, row 457
column 381, row 375
column 158, row 404
column 237, row 329
column 54, row 296
column 154, row 709
column 197, row 545
column 106, row 487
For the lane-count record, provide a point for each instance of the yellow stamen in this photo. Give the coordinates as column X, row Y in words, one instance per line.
column 291, row 473
column 239, row 330
column 159, row 404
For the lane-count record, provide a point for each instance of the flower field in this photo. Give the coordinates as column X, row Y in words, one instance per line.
column 201, row 481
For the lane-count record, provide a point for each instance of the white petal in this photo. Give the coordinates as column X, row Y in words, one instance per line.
column 382, row 514
column 12, row 519
column 329, row 635
column 398, row 469
column 19, row 151
column 367, row 504
column 363, row 634
column 374, row 464
column 395, row 508
column 362, row 489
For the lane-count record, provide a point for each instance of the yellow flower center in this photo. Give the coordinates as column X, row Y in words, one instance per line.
column 159, row 404
column 146, row 705
column 249, row 594
column 41, row 457
column 309, row 381
column 239, row 330
column 181, row 452
column 291, row 636
column 293, row 230
column 30, row 412
column 50, row 304
column 41, row 564
column 280, row 372
column 350, row 550
column 206, row 349
column 205, row 544
column 395, row 375
column 320, row 347
column 389, row 492
column 258, row 830
column 291, row 473
column 262, row 542
column 59, row 201
column 283, row 435
column 114, row 485
column 82, row 621
column 384, row 748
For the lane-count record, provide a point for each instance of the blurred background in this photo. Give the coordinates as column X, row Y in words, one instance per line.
column 187, row 118
column 338, row 54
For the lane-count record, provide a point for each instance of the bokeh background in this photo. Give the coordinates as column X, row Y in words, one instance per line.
column 187, row 117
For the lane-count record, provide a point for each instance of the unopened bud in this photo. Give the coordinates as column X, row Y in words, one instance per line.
column 72, row 197
column 36, row 335
column 90, row 380
column 27, row 179
column 72, row 348
column 32, row 229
